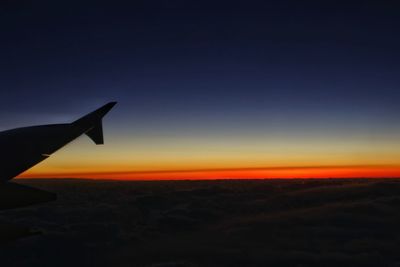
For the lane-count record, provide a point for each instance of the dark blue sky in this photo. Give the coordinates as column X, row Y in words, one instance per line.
column 201, row 62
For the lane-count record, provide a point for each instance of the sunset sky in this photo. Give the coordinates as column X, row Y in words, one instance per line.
column 207, row 90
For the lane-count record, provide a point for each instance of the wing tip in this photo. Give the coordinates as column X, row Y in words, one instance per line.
column 106, row 108
column 98, row 114
column 94, row 119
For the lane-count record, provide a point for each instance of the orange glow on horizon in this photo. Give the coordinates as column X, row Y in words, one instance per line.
column 240, row 173
column 191, row 157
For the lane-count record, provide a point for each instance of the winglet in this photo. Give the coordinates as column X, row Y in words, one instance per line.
column 92, row 123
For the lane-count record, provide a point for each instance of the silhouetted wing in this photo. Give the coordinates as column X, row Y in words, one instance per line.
column 12, row 232
column 94, row 119
column 13, row 195
column 23, row 148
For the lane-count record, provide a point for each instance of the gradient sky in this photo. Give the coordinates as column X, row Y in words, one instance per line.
column 208, row 89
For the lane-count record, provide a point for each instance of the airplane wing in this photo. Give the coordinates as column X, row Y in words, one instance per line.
column 14, row 195
column 23, row 148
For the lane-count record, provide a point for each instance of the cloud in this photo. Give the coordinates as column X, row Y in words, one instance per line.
column 211, row 223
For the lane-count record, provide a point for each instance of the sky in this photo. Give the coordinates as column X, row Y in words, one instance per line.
column 208, row 89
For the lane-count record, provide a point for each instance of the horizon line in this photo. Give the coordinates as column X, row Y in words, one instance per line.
column 299, row 172
column 211, row 179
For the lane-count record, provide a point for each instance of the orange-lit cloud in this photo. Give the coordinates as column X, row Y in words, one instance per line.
column 243, row 173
